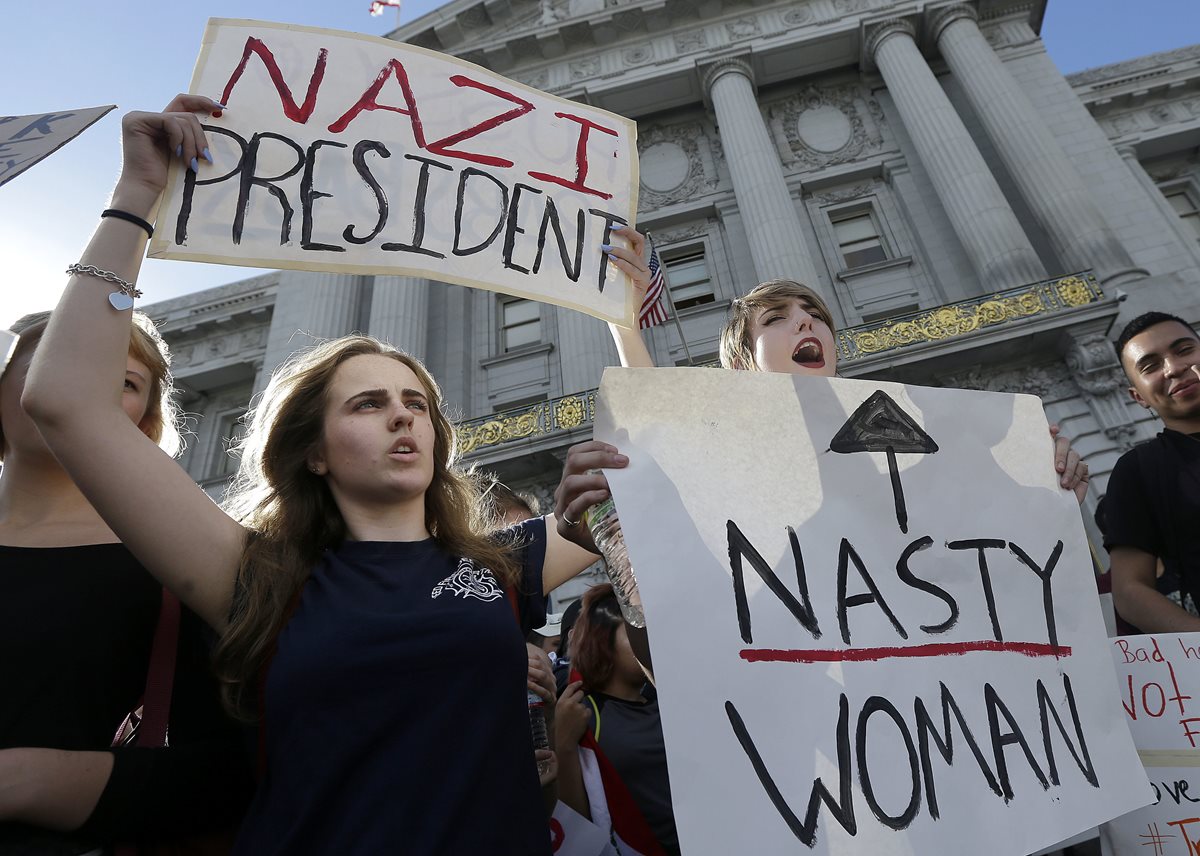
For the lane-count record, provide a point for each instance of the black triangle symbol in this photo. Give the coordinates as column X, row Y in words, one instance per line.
column 879, row 425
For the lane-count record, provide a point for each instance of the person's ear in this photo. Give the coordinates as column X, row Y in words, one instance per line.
column 1136, row 396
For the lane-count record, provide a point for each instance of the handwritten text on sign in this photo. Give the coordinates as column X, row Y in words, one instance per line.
column 25, row 140
column 901, row 648
column 1158, row 679
column 357, row 154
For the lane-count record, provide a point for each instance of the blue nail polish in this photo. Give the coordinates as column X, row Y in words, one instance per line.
column 179, row 150
column 195, row 166
column 219, row 104
column 606, row 247
column 207, row 155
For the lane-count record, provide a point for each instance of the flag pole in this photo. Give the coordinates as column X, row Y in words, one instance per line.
column 671, row 303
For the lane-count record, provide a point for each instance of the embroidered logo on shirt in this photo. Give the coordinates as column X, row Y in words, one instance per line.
column 469, row 581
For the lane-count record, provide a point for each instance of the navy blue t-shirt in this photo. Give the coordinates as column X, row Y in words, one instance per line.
column 396, row 718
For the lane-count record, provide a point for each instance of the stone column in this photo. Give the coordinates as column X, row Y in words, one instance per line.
column 309, row 307
column 1041, row 169
column 777, row 242
column 980, row 215
column 585, row 347
column 400, row 313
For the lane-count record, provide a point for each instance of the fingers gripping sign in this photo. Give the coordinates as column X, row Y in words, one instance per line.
column 631, row 260
column 149, row 140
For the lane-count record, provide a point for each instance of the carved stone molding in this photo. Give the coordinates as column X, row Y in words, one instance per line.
column 798, row 15
column 1134, row 66
column 688, row 166
column 637, row 55
column 691, row 41
column 722, row 67
column 878, row 32
column 849, row 7
column 582, row 69
column 1050, row 381
column 742, row 28
column 848, row 194
column 1096, row 370
column 684, row 233
column 937, row 20
column 824, row 126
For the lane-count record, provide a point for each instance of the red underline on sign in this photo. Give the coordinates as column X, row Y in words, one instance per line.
column 939, row 649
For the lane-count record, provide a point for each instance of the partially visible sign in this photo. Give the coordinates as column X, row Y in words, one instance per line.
column 355, row 154
column 1159, row 685
column 25, row 140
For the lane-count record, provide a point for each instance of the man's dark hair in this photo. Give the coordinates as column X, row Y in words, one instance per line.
column 1142, row 323
column 570, row 616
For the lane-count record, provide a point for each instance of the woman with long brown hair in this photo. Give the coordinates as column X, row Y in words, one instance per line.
column 77, row 622
column 363, row 615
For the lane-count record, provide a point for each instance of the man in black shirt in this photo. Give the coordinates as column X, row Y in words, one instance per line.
column 1153, row 494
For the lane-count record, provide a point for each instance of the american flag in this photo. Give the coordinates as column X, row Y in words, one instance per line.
column 377, row 6
column 653, row 311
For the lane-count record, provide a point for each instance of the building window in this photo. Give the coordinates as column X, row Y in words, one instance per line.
column 230, row 428
column 1185, row 206
column 858, row 238
column 520, row 323
column 688, row 279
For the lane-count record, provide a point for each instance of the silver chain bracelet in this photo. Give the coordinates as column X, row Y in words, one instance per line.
column 120, row 300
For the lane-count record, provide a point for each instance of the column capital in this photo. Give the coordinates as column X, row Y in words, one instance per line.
column 712, row 71
column 938, row 19
column 876, row 32
column 1128, row 151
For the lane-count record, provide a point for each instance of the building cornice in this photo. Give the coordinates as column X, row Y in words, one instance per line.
column 1137, row 70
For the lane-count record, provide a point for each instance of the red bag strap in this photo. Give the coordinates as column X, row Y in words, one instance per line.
column 160, row 677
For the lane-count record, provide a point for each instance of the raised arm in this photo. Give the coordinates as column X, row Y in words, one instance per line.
column 73, row 391
column 631, row 347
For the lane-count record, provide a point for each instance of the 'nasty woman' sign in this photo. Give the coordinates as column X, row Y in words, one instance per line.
column 873, row 616
column 355, row 154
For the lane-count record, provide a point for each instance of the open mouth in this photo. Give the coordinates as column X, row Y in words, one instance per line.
column 809, row 354
column 403, row 449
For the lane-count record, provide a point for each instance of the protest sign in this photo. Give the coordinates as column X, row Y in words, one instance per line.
column 1158, row 682
column 25, row 140
column 391, row 159
column 873, row 617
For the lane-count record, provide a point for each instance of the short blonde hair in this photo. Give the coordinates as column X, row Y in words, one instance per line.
column 737, row 350
column 162, row 420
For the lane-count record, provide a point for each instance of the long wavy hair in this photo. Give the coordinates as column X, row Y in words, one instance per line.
column 292, row 517
column 162, row 422
column 737, row 349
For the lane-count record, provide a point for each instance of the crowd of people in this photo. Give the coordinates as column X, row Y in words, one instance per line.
column 344, row 638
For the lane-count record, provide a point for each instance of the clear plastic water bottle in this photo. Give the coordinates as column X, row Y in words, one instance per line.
column 603, row 523
column 537, row 720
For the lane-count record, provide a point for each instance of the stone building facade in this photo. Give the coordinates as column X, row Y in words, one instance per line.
column 974, row 217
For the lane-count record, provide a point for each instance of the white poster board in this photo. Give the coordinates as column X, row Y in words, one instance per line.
column 350, row 153
column 25, row 140
column 1158, row 682
column 859, row 651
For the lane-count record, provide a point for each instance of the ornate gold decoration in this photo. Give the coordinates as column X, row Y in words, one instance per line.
column 568, row 412
column 472, row 437
column 1074, row 291
column 957, row 319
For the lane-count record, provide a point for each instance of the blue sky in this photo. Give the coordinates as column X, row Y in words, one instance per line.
column 138, row 54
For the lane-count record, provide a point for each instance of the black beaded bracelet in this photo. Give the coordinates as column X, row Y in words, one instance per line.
column 129, row 218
